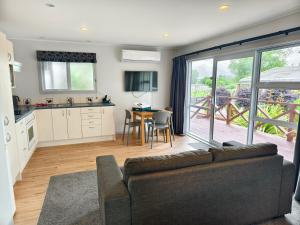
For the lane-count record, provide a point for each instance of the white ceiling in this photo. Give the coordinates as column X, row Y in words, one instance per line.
column 135, row 22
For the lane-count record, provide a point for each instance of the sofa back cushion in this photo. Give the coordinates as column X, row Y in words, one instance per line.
column 243, row 152
column 142, row 165
column 244, row 191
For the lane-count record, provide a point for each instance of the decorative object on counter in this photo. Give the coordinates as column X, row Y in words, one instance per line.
column 16, row 100
column 106, row 99
column 49, row 100
column 70, row 100
column 27, row 101
column 89, row 100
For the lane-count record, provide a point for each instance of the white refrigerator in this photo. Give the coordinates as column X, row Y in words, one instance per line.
column 8, row 145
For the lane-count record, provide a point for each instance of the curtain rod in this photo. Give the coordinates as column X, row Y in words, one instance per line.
column 285, row 32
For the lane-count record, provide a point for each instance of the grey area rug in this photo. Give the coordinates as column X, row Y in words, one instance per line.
column 72, row 199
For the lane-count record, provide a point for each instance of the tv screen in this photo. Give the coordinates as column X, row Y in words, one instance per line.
column 141, row 81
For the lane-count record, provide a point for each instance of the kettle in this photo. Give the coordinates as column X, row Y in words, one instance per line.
column 16, row 100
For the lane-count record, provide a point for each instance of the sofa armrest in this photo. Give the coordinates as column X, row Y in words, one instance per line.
column 287, row 187
column 113, row 195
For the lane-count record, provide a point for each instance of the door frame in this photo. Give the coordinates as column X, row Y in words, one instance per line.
column 216, row 59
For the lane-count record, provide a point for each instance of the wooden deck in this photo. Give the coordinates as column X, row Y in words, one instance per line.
column 224, row 132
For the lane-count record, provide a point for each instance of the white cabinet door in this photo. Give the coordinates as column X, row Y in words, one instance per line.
column 74, row 123
column 10, row 52
column 22, row 143
column 44, row 125
column 60, row 124
column 108, row 122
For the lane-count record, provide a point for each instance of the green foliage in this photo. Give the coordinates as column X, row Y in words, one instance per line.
column 273, row 59
column 199, row 94
column 272, row 111
column 195, row 77
column 81, row 76
column 241, row 68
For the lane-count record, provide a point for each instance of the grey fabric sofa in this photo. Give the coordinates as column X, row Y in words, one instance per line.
column 230, row 186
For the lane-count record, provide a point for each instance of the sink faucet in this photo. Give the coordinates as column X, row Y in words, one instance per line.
column 70, row 100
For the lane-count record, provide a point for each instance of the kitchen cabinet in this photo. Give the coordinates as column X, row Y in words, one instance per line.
column 10, row 52
column 108, row 122
column 44, row 125
column 91, row 121
column 74, row 123
column 22, row 142
column 60, row 124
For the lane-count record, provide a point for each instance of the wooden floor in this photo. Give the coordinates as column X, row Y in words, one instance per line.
column 46, row 162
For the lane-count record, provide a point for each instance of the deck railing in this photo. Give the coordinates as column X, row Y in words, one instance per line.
column 229, row 111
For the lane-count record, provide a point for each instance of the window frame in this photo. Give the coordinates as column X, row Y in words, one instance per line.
column 65, row 91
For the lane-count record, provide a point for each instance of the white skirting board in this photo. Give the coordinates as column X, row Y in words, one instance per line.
column 76, row 141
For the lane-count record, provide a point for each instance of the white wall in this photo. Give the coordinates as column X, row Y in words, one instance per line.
column 109, row 74
column 278, row 24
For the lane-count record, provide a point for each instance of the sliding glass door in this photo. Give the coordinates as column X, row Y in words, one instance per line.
column 232, row 98
column 200, row 99
column 252, row 97
column 278, row 101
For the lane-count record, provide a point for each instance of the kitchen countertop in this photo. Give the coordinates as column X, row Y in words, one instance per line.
column 23, row 111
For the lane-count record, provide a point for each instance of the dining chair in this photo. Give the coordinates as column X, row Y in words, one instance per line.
column 130, row 124
column 160, row 121
column 171, row 121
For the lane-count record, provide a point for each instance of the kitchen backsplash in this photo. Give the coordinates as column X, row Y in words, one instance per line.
column 60, row 99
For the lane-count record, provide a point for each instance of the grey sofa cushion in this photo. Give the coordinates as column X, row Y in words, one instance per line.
column 142, row 165
column 244, row 152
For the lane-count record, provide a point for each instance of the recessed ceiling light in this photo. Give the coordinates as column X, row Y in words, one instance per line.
column 166, row 35
column 50, row 5
column 224, row 7
column 83, row 28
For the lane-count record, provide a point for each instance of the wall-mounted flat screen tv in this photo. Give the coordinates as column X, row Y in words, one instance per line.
column 141, row 81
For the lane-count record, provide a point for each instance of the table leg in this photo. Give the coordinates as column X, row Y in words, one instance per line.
column 168, row 135
column 142, row 130
column 133, row 129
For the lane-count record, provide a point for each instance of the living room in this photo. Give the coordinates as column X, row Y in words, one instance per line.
column 131, row 114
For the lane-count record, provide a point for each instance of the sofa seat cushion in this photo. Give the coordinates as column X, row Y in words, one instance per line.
column 243, row 152
column 142, row 165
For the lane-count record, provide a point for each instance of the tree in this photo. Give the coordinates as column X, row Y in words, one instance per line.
column 270, row 59
column 273, row 59
column 195, row 77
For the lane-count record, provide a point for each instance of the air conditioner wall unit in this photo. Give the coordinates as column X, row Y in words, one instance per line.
column 140, row 56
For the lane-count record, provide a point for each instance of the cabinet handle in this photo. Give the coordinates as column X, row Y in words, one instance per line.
column 6, row 121
column 91, row 127
column 22, row 132
column 63, row 113
column 8, row 137
column 69, row 111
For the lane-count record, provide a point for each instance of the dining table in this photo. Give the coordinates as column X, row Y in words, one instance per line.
column 142, row 116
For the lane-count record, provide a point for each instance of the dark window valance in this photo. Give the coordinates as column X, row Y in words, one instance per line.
column 55, row 56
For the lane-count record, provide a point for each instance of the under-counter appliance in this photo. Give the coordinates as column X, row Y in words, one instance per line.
column 31, row 135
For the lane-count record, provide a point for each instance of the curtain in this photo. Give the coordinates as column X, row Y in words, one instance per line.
column 55, row 56
column 297, row 163
column 178, row 92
